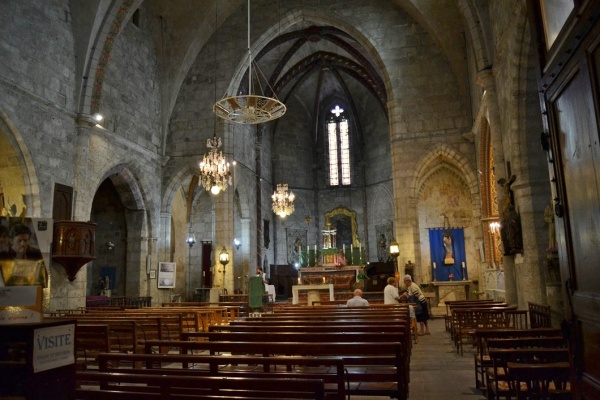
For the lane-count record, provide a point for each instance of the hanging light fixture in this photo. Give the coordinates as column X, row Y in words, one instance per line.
column 283, row 201
column 214, row 169
column 250, row 108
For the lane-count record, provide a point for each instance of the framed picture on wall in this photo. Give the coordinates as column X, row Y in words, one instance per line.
column 166, row 275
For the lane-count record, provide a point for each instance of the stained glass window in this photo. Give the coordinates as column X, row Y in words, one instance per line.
column 338, row 138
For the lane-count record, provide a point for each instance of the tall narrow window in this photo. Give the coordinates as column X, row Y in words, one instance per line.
column 338, row 138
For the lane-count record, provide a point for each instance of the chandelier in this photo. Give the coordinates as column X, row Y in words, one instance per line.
column 283, row 201
column 214, row 169
column 251, row 108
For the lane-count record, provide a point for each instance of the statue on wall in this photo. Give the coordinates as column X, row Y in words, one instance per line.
column 510, row 232
column 382, row 252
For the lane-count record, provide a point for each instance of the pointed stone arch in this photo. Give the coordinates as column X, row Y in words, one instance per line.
column 14, row 147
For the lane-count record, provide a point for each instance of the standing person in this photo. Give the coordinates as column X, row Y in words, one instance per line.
column 412, row 289
column 357, row 300
column 390, row 292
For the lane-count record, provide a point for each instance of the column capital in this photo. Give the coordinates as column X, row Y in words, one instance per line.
column 485, row 79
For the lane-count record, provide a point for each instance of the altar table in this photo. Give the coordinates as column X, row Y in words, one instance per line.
column 307, row 288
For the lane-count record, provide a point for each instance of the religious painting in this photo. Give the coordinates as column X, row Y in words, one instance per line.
column 344, row 222
column 384, row 234
column 24, row 251
column 296, row 242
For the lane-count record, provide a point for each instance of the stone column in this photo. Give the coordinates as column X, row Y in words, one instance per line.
column 486, row 80
column 402, row 170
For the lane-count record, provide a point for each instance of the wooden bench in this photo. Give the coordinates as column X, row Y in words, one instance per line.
column 374, row 368
column 497, row 376
column 466, row 321
column 329, row 369
column 130, row 386
column 540, row 381
column 91, row 340
column 539, row 315
column 482, row 336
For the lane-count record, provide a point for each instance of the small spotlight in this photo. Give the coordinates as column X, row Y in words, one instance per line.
column 98, row 117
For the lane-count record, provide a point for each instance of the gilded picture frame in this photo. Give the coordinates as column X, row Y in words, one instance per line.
column 339, row 218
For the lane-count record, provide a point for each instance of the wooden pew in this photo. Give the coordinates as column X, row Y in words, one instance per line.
column 329, row 369
column 466, row 304
column 374, row 368
column 539, row 315
column 129, row 386
column 481, row 356
column 498, row 377
column 91, row 340
column 466, row 321
column 540, row 381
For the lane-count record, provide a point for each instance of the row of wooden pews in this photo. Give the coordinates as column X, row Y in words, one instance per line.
column 125, row 331
column 512, row 360
column 348, row 351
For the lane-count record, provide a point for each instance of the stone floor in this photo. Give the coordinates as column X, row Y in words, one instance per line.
column 437, row 372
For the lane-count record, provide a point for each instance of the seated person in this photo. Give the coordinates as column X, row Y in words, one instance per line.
column 357, row 300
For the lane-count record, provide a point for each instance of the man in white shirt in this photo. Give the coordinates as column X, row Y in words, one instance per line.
column 357, row 300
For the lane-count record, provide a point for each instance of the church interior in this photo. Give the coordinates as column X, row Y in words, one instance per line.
column 183, row 144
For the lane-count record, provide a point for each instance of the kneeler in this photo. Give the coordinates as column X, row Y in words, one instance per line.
column 256, row 290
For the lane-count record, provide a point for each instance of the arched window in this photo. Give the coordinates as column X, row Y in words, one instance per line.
column 338, row 139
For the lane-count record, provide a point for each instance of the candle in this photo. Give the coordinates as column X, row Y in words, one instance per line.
column 315, row 249
column 299, row 281
column 344, row 247
column 323, row 279
column 434, row 266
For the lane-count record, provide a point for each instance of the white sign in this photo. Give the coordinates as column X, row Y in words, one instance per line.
column 53, row 347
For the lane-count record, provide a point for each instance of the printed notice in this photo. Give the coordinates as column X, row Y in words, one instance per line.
column 53, row 347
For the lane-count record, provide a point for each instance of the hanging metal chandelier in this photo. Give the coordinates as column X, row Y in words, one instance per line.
column 214, row 169
column 251, row 108
column 283, row 201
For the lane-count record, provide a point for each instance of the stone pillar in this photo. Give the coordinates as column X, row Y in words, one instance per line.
column 486, row 80
column 65, row 294
column 402, row 167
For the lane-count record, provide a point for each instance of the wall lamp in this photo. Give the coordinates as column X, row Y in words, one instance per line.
column 237, row 243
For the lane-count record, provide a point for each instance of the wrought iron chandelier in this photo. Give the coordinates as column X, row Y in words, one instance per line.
column 251, row 108
column 214, row 169
column 283, row 200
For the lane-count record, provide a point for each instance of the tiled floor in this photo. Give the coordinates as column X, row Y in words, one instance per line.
column 437, row 372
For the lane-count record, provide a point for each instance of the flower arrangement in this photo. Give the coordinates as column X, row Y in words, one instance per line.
column 451, row 276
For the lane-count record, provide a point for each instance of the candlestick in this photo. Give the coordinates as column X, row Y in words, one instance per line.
column 315, row 249
column 434, row 273
column 464, row 276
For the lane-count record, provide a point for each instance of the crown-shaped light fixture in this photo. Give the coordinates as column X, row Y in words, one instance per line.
column 250, row 108
column 214, row 169
column 283, row 200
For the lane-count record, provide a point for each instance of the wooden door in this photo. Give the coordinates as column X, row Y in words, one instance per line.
column 569, row 93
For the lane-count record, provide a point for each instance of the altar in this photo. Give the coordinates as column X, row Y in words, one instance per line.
column 343, row 278
column 311, row 289
column 451, row 290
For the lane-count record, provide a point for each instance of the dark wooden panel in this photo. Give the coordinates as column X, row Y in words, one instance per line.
column 62, row 205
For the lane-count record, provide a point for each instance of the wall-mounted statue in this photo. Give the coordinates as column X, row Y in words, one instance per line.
column 510, row 231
